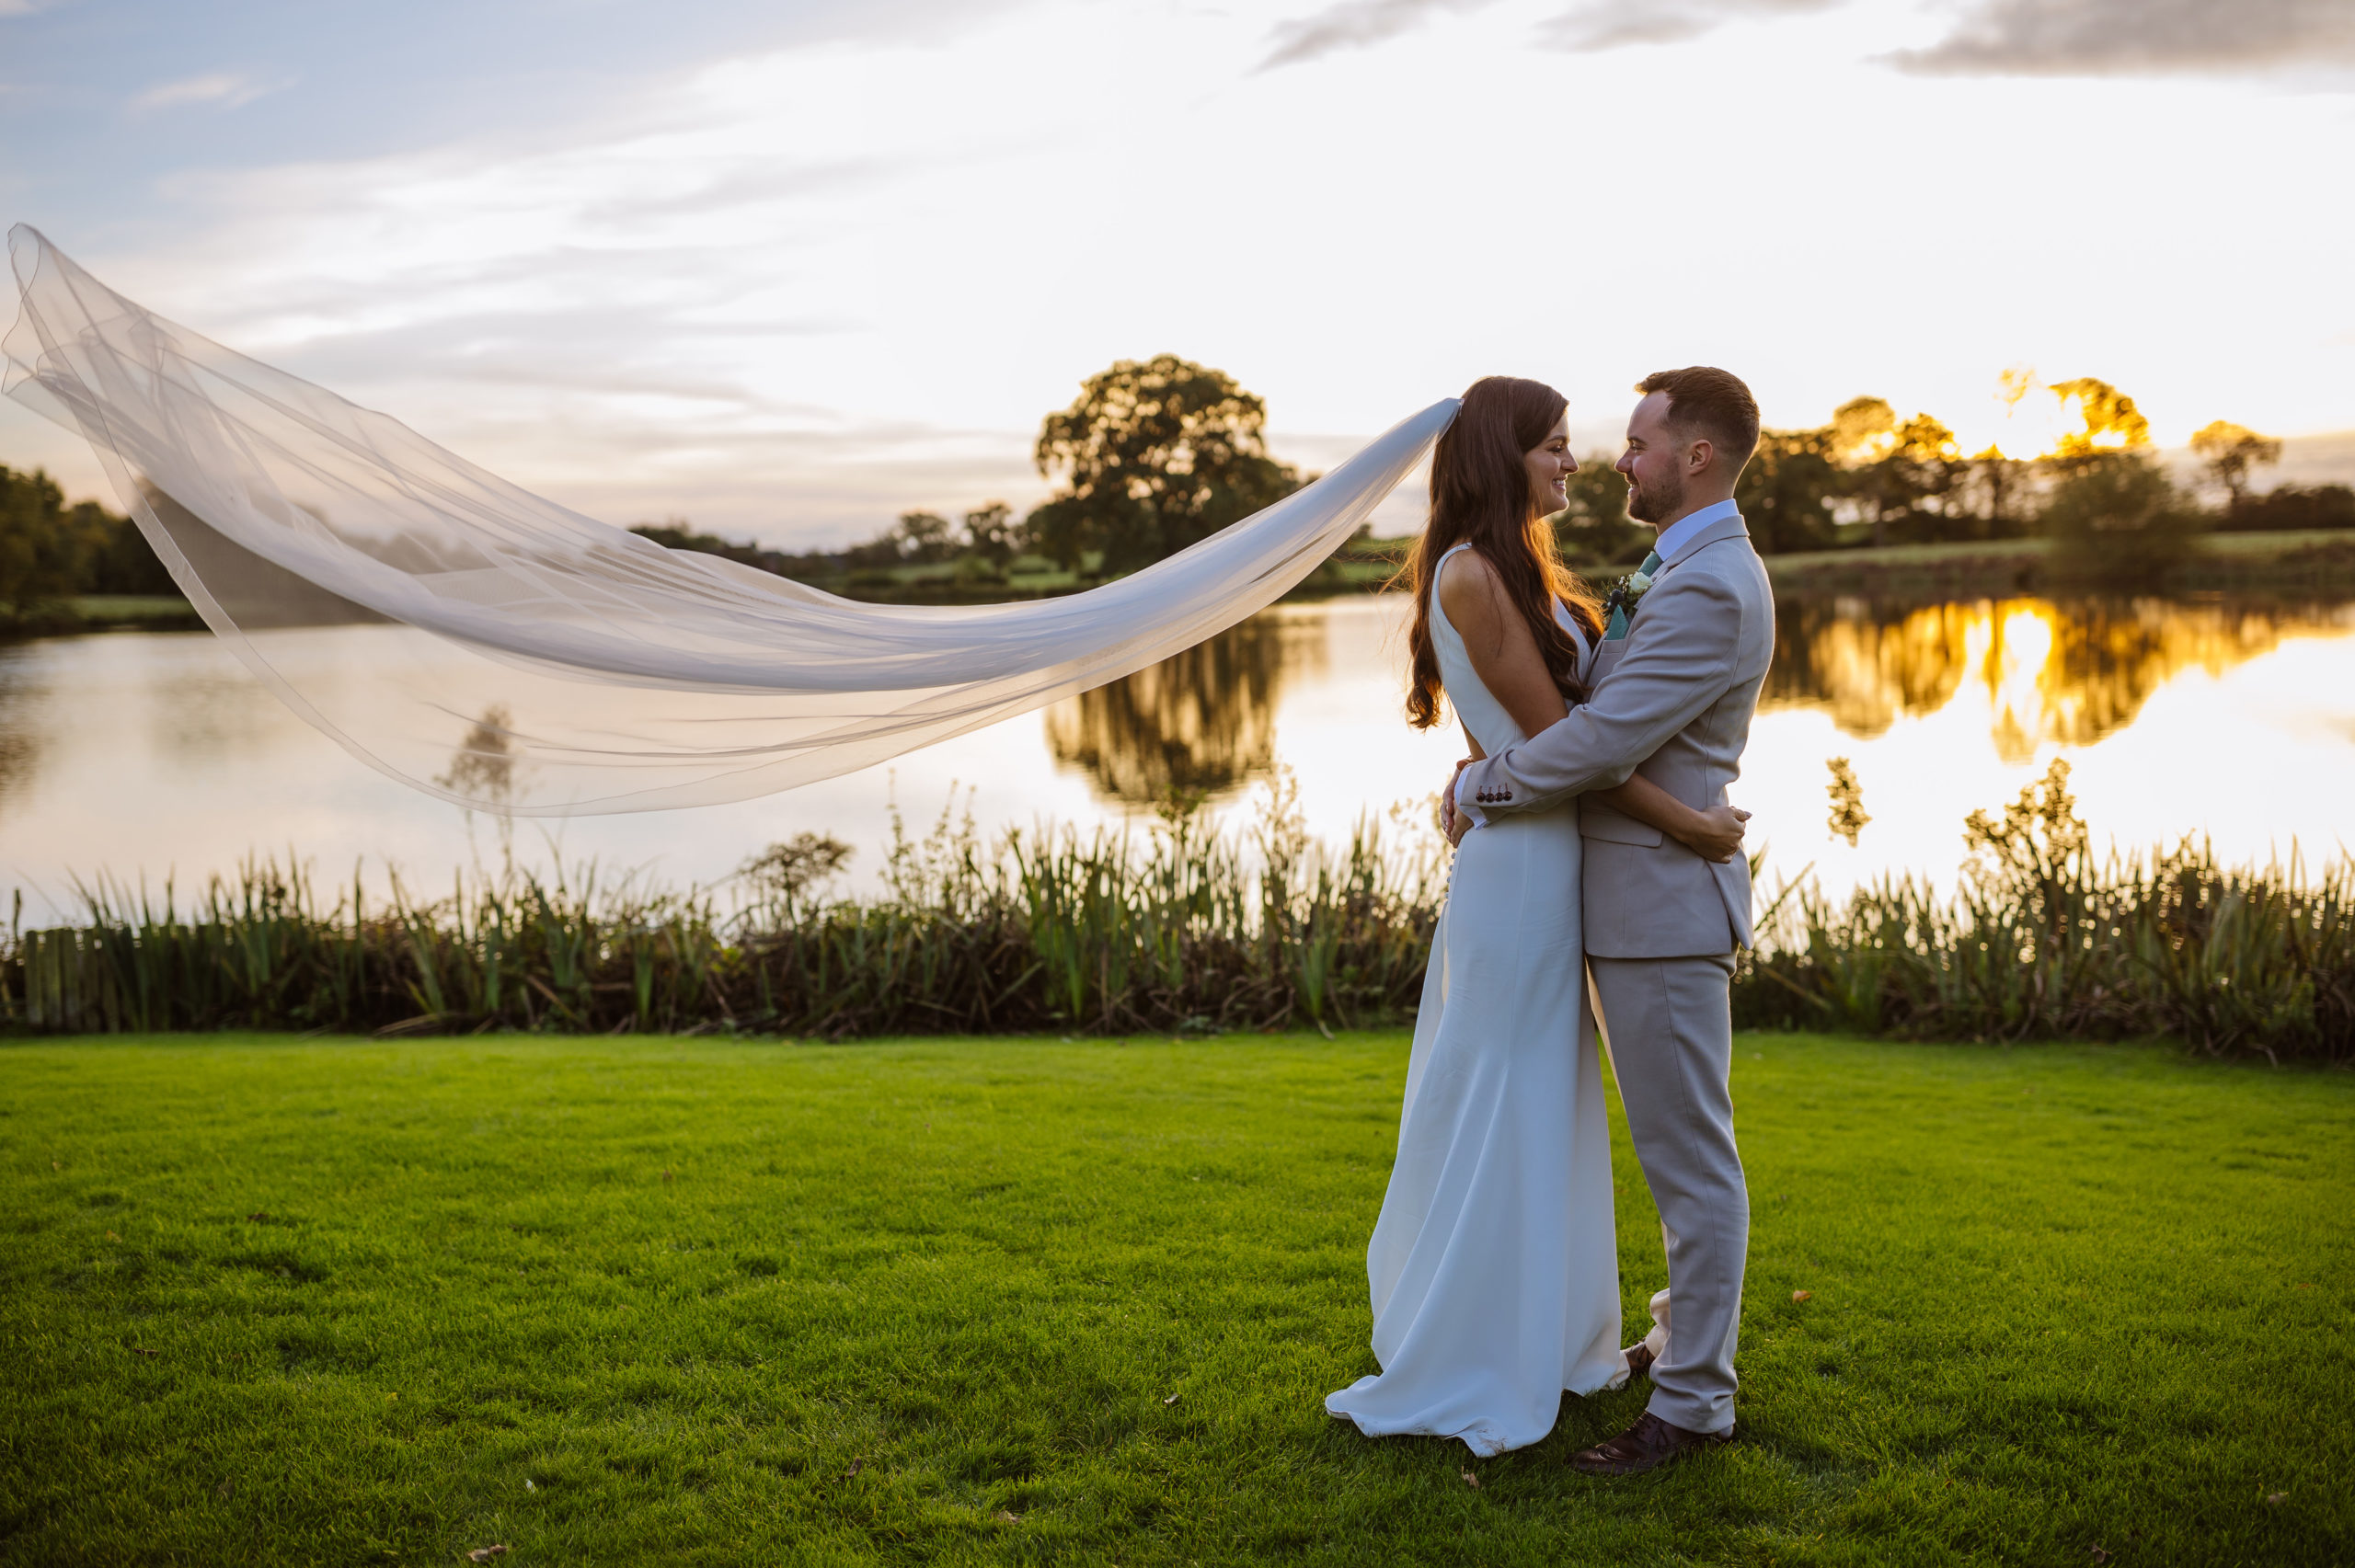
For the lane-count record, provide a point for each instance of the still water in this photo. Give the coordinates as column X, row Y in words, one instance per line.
column 155, row 756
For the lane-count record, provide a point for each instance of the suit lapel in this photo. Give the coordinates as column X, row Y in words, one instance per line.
column 1723, row 529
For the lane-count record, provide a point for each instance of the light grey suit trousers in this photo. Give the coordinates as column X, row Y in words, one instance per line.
column 1671, row 1033
column 1672, row 701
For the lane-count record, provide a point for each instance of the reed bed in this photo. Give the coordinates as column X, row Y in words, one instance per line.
column 1180, row 930
column 2045, row 940
column 1187, row 929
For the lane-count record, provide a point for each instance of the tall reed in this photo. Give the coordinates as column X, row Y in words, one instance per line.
column 1188, row 928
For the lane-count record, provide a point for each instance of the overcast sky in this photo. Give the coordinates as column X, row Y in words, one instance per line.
column 790, row 268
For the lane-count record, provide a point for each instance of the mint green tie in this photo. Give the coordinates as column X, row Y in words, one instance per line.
column 1616, row 627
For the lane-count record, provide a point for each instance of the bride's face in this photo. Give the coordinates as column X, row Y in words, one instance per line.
column 1550, row 466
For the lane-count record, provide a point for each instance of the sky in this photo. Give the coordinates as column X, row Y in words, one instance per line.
column 788, row 269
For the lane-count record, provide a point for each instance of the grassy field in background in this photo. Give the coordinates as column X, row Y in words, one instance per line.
column 2232, row 545
column 653, row 1299
column 130, row 607
column 2320, row 560
column 157, row 612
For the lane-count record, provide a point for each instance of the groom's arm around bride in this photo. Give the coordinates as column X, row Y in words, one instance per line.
column 1672, row 700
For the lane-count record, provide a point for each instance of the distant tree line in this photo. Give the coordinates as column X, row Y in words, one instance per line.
column 50, row 552
column 1155, row 455
column 1868, row 477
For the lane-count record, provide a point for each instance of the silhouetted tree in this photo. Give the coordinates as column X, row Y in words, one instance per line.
column 2231, row 451
column 2116, row 517
column 992, row 534
column 2294, row 507
column 2107, row 421
column 1862, row 431
column 1788, row 490
column 924, row 537
column 1993, row 492
column 1154, row 457
column 1920, row 481
column 678, row 533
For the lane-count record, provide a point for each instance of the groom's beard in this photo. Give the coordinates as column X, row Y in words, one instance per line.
column 1649, row 505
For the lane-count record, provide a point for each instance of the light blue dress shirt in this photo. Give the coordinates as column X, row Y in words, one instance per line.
column 1676, row 534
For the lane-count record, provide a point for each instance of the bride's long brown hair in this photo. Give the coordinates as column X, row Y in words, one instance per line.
column 1480, row 494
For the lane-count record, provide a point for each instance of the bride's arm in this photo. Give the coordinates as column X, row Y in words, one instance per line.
column 1714, row 834
column 1503, row 650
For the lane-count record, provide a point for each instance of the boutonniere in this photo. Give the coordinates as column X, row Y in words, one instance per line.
column 1624, row 599
column 1620, row 608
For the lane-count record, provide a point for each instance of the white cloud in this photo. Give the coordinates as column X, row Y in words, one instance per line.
column 2133, row 36
column 1593, row 25
column 1353, row 23
column 222, row 89
column 1984, row 37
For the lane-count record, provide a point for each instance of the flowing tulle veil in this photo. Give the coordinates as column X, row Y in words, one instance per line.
column 499, row 651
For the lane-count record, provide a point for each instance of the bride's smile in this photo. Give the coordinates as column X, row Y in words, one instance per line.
column 1550, row 466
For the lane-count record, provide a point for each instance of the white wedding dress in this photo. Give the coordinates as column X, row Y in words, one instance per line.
column 1494, row 1266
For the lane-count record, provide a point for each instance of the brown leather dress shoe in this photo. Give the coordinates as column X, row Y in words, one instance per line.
column 1639, row 1360
column 1647, row 1445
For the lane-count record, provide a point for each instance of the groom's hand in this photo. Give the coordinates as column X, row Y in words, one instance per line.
column 1455, row 823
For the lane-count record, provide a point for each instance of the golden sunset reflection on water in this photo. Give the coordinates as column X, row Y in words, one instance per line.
column 2048, row 673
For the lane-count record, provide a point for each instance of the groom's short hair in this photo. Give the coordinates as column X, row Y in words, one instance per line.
column 1713, row 403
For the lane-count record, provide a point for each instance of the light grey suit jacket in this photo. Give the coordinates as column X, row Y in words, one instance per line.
column 1672, row 701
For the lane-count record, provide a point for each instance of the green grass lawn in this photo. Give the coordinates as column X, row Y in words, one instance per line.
column 268, row 1301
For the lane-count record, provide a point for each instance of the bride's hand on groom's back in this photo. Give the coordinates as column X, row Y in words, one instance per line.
column 1451, row 822
column 1717, row 834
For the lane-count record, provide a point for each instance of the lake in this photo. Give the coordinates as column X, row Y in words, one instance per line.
column 155, row 756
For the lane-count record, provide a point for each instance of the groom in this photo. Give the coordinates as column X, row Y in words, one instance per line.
column 1675, row 681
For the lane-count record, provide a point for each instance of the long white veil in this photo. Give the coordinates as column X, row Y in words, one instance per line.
column 520, row 657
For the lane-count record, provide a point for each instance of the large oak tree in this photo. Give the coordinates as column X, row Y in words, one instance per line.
column 1153, row 456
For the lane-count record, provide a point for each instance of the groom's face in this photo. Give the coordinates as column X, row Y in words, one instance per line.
column 1654, row 462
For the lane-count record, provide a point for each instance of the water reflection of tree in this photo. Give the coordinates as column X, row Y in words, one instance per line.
column 1204, row 720
column 483, row 767
column 1868, row 664
column 2068, row 673
column 2108, row 660
column 20, row 728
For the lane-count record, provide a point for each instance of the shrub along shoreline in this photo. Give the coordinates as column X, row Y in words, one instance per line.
column 1189, row 930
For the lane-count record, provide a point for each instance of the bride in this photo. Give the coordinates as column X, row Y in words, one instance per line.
column 1494, row 1264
